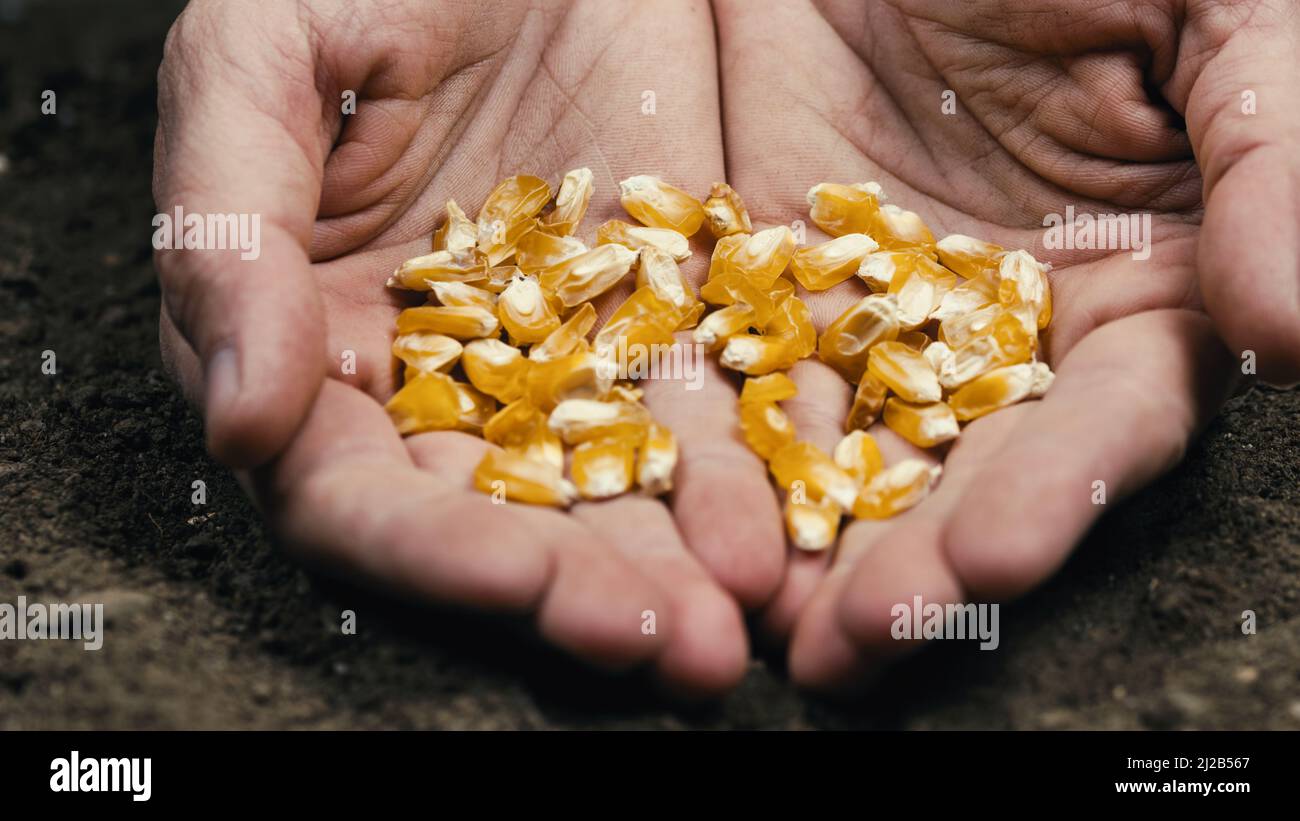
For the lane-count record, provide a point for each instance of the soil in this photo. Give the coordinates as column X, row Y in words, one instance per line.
column 211, row 627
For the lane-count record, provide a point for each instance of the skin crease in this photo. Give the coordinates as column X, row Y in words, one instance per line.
column 1048, row 115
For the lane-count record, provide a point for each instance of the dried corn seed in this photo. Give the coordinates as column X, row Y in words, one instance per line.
column 994, row 390
column 458, row 235
column 792, row 322
column 570, row 337
column 656, row 460
column 920, row 289
column 537, row 250
column 732, row 287
column 655, row 203
column 581, row 420
column 847, row 341
column 859, row 455
column 905, row 371
column 427, row 352
column 716, row 328
column 515, row 425
column 916, row 340
column 419, row 273
column 843, row 209
column 1023, row 289
column 581, row 375
column 476, row 408
column 937, row 354
column 818, row 267
column 426, row 403
column 966, row 255
column 658, row 271
column 751, row 354
column 625, row 392
column 821, row 477
column 499, row 278
column 523, row 479
column 958, row 330
column 879, row 269
column 895, row 489
column 725, row 212
column 765, row 427
column 1043, row 379
column 642, row 319
column 525, row 312
column 638, row 237
column 508, row 214
column 761, row 257
column 603, row 468
column 894, row 227
column 495, row 368
column 542, row 445
column 868, row 402
column 459, row 322
column 774, row 387
column 812, row 526
column 924, row 425
column 462, row 295
column 1004, row 342
column 969, row 296
column 589, row 274
column 570, row 203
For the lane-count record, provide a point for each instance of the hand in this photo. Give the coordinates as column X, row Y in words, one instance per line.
column 450, row 98
column 1052, row 111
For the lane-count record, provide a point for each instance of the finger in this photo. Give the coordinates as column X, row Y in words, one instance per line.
column 229, row 144
column 347, row 495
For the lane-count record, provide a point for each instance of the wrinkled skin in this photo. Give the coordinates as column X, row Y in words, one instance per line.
column 1048, row 115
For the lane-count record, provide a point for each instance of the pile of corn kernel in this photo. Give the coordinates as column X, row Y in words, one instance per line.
column 948, row 333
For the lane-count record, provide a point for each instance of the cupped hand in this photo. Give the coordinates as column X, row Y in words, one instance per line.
column 450, row 98
column 1056, row 105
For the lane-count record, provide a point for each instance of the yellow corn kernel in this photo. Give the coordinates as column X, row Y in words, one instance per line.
column 656, row 461
column 894, row 227
column 541, row 444
column 461, row 295
column 812, row 526
column 920, row 289
column 499, row 278
column 916, row 340
column 781, row 290
column 818, row 267
column 538, row 249
column 525, row 312
column 716, row 328
column 427, row 352
column 458, row 235
column 495, row 368
column 523, row 479
column 655, row 203
column 962, row 328
column 967, row 256
column 879, row 269
column 581, row 420
column 905, row 371
column 642, row 319
column 508, row 214
column 427, row 402
column 792, row 322
column 570, row 337
column 969, row 296
column 638, row 237
column 658, row 271
column 1023, row 289
column 457, row 322
column 603, row 468
column 937, row 354
column 761, row 257
column 570, row 203
column 751, row 354
column 843, row 209
column 625, row 392
column 847, row 341
column 859, row 455
column 924, row 425
column 765, row 427
column 868, row 402
column 994, row 390
column 581, row 375
column 821, row 477
column 725, row 212
column 587, row 275
column 515, row 425
column 895, row 489
column 1043, row 379
column 732, row 287
column 1004, row 342
column 476, row 408
column 419, row 273
column 774, row 387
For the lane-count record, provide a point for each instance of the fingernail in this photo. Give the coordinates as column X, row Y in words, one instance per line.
column 222, row 379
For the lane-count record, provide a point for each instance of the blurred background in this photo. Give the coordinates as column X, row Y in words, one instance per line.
column 210, row 627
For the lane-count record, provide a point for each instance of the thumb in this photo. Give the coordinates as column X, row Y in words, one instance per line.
column 1244, row 120
column 238, row 161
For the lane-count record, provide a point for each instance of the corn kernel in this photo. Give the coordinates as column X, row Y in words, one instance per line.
column 457, row 322
column 937, row 354
column 462, row 295
column 1043, row 379
column 920, row 289
column 427, row 352
column 859, row 455
column 657, row 204
column 969, row 296
column 1023, row 289
column 895, row 489
column 847, row 341
column 962, row 328
column 570, row 337
column 994, row 390
column 774, row 387
column 762, row 257
column 642, row 319
column 868, row 402
column 658, row 271
column 638, row 237
column 458, row 235
column 725, row 212
column 581, row 375
column 475, row 407
column 523, row 479
column 765, row 427
column 905, row 371
column 812, row 526
column 924, row 425
column 879, row 269
column 419, row 273
column 732, row 287
column 542, row 445
column 495, row 368
column 581, row 420
column 656, row 461
column 916, row 340
column 818, row 267
column 508, row 214
column 515, row 425
column 428, row 402
column 716, row 328
column 843, row 209
column 967, row 256
column 821, row 477
column 525, row 312
column 603, row 468
column 1004, row 342
column 751, row 354
column 538, row 249
column 570, row 203
column 499, row 278
column 897, row 228
column 588, row 275
column 792, row 322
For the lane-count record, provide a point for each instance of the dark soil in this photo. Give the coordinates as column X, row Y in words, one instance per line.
column 211, row 627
